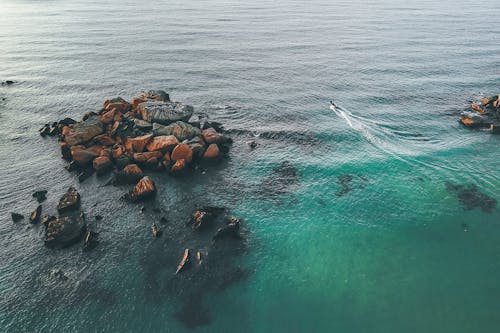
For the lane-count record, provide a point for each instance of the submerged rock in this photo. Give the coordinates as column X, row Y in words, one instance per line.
column 144, row 189
column 164, row 112
column 64, row 231
column 230, row 230
column 69, row 201
column 40, row 196
column 470, row 197
column 204, row 216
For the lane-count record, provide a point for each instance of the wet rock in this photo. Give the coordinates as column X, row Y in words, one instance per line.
column 16, row 217
column 102, row 164
column 211, row 136
column 155, row 230
column 70, row 201
column 40, row 196
column 131, row 174
column 142, row 125
column 181, row 130
column 230, row 230
column 138, row 144
column 8, row 82
column 178, row 166
column 90, row 240
column 65, row 150
column 162, row 143
column 104, row 140
column 85, row 173
column 122, row 162
column 144, row 157
column 203, row 217
column 83, row 156
column 495, row 128
column 212, row 152
column 157, row 95
column 184, row 262
column 85, row 131
column 182, row 152
column 64, row 231
column 164, row 112
column 47, row 219
column 118, row 103
column 470, row 197
column 144, row 189
column 35, row 215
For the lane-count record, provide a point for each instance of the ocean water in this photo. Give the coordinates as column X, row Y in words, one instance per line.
column 349, row 225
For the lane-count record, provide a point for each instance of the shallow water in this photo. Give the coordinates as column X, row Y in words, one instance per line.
column 364, row 236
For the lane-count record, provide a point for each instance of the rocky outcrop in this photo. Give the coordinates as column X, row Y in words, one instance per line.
column 84, row 156
column 64, row 231
column 40, row 196
column 84, row 131
column 70, row 201
column 211, row 136
column 144, row 189
column 118, row 104
column 483, row 115
column 203, row 217
column 230, row 230
column 164, row 112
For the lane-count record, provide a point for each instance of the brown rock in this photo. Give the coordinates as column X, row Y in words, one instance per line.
column 179, row 165
column 182, row 152
column 144, row 189
column 117, row 151
column 138, row 144
column 35, row 215
column 104, row 140
column 477, row 108
column 119, row 104
column 131, row 174
column 102, row 164
column 143, row 157
column 108, row 116
column 210, row 135
column 84, row 131
column 136, row 101
column 212, row 152
column 69, row 201
column 162, row 143
column 82, row 155
column 65, row 130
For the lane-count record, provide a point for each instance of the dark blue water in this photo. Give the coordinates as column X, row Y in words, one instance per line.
column 365, row 238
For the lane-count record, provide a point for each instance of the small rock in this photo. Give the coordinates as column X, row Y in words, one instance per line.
column 144, row 189
column 69, row 201
column 184, row 261
column 40, row 196
column 47, row 219
column 16, row 217
column 35, row 215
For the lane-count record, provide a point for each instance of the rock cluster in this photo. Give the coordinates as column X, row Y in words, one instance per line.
column 151, row 132
column 485, row 115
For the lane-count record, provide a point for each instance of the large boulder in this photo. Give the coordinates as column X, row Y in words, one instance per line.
column 162, row 143
column 144, row 189
column 210, row 135
column 118, row 103
column 85, row 131
column 69, row 201
column 64, row 231
column 83, row 156
column 138, row 144
column 212, row 152
column 165, row 112
column 179, row 129
column 182, row 152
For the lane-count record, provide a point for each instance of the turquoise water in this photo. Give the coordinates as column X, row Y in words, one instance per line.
column 365, row 238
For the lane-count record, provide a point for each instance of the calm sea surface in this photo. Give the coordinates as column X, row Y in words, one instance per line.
column 356, row 232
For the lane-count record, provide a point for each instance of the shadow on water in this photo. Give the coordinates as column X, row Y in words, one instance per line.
column 350, row 182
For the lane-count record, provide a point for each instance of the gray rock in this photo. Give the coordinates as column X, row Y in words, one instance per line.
column 69, row 201
column 142, row 125
column 85, row 131
column 181, row 130
column 165, row 112
column 64, row 231
column 158, row 95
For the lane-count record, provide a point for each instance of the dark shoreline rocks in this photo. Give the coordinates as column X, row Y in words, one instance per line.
column 64, row 231
column 483, row 115
column 69, row 202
